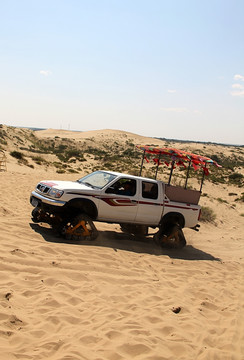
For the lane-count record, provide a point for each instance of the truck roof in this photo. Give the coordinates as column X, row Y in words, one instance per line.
column 131, row 176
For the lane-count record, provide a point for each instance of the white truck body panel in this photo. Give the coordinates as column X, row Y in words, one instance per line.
column 139, row 208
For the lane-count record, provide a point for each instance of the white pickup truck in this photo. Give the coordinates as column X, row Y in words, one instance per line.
column 134, row 202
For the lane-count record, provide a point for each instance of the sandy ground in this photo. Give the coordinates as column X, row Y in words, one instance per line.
column 117, row 297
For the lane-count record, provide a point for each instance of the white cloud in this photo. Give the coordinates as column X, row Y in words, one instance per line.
column 239, row 77
column 46, row 72
column 171, row 91
column 238, row 93
column 176, row 109
column 237, row 86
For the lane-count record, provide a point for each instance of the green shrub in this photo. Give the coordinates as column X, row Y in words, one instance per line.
column 241, row 198
column 207, row 214
column 3, row 142
column 72, row 153
column 3, row 134
column 236, row 179
column 39, row 160
column 73, row 171
column 222, row 200
column 17, row 155
column 216, row 178
column 60, row 171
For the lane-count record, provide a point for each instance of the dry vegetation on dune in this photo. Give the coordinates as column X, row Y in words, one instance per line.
column 115, row 150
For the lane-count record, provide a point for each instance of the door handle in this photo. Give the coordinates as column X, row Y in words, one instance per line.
column 134, row 201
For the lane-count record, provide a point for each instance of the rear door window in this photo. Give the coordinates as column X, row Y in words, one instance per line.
column 149, row 190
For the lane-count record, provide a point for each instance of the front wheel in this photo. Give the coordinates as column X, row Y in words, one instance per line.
column 81, row 227
column 37, row 215
column 173, row 238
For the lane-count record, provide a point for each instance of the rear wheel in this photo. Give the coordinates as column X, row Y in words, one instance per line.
column 172, row 238
column 81, row 227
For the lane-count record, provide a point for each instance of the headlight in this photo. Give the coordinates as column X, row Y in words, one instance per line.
column 55, row 193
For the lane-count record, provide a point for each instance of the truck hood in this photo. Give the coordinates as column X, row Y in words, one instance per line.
column 65, row 185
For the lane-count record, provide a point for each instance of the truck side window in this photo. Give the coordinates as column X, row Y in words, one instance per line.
column 123, row 186
column 149, row 190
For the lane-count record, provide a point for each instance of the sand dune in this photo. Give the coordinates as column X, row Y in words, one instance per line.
column 117, row 297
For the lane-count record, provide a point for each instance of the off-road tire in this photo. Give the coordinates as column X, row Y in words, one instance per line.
column 79, row 233
column 36, row 215
column 173, row 238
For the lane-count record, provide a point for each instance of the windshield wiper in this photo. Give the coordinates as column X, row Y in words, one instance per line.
column 88, row 184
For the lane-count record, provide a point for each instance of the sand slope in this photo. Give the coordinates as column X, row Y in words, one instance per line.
column 117, row 297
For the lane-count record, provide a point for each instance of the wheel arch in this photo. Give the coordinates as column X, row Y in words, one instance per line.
column 173, row 218
column 86, row 206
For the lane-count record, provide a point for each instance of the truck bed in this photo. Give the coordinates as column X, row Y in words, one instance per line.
column 179, row 194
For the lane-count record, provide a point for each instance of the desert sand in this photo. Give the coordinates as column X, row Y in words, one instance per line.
column 117, row 297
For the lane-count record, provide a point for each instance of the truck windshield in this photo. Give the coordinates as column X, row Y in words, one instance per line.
column 97, row 179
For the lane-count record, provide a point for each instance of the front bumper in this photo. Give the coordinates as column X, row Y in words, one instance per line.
column 36, row 199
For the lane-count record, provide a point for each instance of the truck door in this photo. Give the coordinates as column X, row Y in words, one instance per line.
column 150, row 204
column 119, row 202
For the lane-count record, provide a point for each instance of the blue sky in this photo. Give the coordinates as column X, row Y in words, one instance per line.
column 172, row 69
